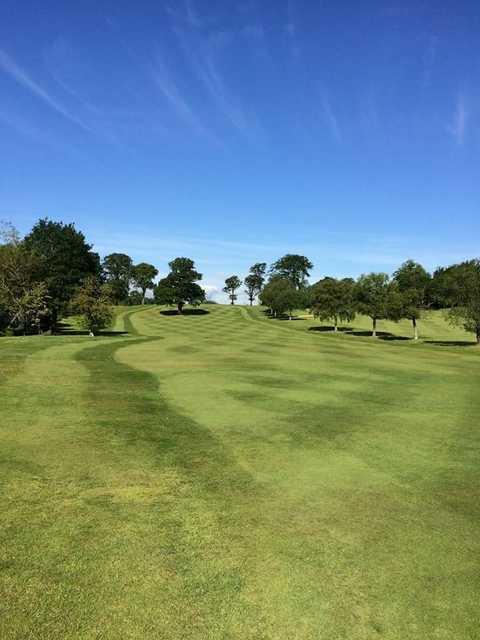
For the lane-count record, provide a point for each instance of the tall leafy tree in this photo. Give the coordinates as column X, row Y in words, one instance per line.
column 294, row 268
column 93, row 304
column 67, row 259
column 412, row 281
column 333, row 299
column 143, row 275
column 231, row 285
column 117, row 271
column 464, row 292
column 377, row 298
column 254, row 281
column 24, row 298
column 280, row 295
column 180, row 286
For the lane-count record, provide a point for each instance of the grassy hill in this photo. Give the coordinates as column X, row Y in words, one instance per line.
column 225, row 475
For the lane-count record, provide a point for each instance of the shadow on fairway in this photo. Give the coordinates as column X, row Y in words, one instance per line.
column 326, row 329
column 451, row 343
column 65, row 329
column 186, row 312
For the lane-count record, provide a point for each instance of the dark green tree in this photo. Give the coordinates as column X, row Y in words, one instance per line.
column 294, row 268
column 412, row 281
column 464, row 292
column 280, row 295
column 117, row 271
column 93, row 304
column 254, row 281
column 231, row 285
column 377, row 298
column 143, row 275
column 66, row 261
column 180, row 286
column 333, row 299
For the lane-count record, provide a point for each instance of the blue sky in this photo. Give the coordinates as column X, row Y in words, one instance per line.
column 236, row 131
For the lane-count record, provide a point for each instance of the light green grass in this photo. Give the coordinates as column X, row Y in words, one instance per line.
column 229, row 476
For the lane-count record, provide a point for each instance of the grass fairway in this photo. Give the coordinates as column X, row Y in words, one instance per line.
column 228, row 476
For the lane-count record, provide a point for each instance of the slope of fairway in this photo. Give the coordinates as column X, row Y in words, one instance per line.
column 225, row 475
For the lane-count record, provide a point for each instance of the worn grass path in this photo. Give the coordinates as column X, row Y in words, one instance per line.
column 228, row 476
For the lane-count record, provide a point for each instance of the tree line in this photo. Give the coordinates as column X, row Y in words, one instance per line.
column 53, row 272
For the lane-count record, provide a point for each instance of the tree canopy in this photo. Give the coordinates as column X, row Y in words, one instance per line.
column 465, row 291
column 280, row 295
column 66, row 260
column 231, row 285
column 254, row 281
column 294, row 268
column 93, row 304
column 117, row 271
column 378, row 298
column 334, row 299
column 143, row 275
column 412, row 281
column 180, row 286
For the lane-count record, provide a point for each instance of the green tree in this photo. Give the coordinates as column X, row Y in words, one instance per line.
column 280, row 295
column 294, row 268
column 24, row 297
column 66, row 260
column 231, row 285
column 465, row 293
column 117, row 271
column 377, row 298
column 93, row 304
column 254, row 281
column 334, row 299
column 412, row 281
column 180, row 286
column 143, row 275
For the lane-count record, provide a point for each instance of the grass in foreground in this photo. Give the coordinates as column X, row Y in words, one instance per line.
column 230, row 476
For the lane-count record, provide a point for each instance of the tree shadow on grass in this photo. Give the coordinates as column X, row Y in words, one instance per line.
column 65, row 329
column 381, row 335
column 186, row 312
column 451, row 343
column 327, row 329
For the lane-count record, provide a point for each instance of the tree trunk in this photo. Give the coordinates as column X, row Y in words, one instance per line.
column 478, row 335
column 251, row 302
column 180, row 307
column 336, row 324
column 144, row 291
column 374, row 328
column 415, row 329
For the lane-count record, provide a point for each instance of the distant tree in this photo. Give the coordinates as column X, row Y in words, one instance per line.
column 465, row 295
column 294, row 268
column 440, row 287
column 9, row 234
column 412, row 281
column 231, row 285
column 280, row 296
column 377, row 298
column 334, row 300
column 66, row 260
column 254, row 281
column 93, row 305
column 180, row 286
column 135, row 298
column 117, row 271
column 143, row 275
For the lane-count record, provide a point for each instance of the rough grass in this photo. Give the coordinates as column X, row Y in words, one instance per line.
column 231, row 476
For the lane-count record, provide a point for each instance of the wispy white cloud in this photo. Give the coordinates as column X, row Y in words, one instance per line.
column 459, row 124
column 10, row 67
column 331, row 118
column 165, row 82
column 202, row 55
column 291, row 31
